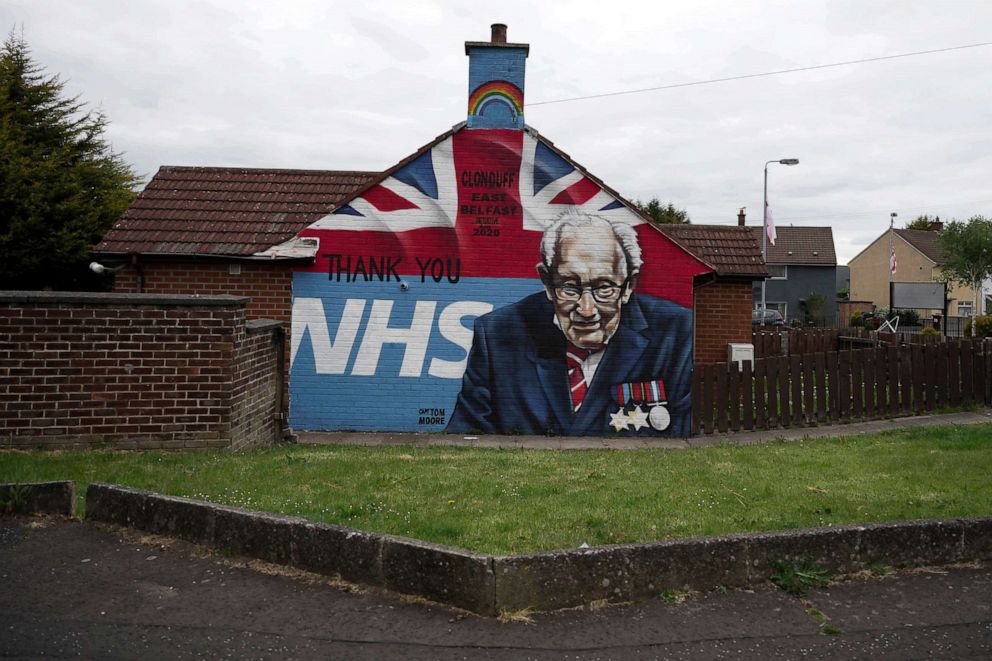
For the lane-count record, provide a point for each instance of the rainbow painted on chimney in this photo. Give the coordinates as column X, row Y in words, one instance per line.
column 496, row 82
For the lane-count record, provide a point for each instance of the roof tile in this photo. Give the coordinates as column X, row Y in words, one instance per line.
column 811, row 246
column 227, row 211
column 731, row 250
column 925, row 241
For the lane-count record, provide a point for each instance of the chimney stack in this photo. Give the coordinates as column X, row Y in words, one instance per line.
column 496, row 82
column 740, row 217
column 936, row 225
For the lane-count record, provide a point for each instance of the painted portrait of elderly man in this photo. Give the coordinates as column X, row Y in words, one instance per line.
column 588, row 355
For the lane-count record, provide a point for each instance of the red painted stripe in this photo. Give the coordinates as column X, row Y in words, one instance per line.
column 578, row 193
column 384, row 199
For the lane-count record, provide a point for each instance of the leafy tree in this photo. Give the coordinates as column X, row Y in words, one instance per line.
column 967, row 251
column 924, row 222
column 666, row 215
column 61, row 185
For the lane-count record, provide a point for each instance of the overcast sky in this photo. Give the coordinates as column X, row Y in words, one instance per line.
column 339, row 85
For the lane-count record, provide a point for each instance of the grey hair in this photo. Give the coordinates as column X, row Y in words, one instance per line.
column 572, row 219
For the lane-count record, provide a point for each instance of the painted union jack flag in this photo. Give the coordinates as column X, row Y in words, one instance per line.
column 485, row 196
column 436, row 188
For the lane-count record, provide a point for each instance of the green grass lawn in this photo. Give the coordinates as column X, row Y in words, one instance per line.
column 512, row 501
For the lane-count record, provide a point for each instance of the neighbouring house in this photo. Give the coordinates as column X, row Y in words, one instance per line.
column 387, row 280
column 722, row 298
column 802, row 262
column 918, row 259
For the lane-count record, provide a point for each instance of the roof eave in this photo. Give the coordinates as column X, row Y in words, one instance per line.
column 205, row 257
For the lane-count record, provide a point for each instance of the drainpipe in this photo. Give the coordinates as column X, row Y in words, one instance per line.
column 139, row 273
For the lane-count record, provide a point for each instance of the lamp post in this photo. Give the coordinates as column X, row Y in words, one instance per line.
column 892, row 222
column 764, row 225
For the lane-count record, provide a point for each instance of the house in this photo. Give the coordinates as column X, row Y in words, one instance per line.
column 801, row 262
column 918, row 259
column 722, row 302
column 383, row 276
column 212, row 230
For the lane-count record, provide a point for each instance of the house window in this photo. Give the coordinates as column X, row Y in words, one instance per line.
column 964, row 308
column 778, row 272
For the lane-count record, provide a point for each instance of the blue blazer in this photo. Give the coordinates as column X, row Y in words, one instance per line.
column 515, row 381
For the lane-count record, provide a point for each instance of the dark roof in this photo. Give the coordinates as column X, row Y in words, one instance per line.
column 730, row 249
column 227, row 211
column 811, row 246
column 925, row 241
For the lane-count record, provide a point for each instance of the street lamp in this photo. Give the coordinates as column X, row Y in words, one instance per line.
column 764, row 225
column 892, row 222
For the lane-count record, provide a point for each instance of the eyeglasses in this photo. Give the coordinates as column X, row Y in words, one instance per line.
column 607, row 292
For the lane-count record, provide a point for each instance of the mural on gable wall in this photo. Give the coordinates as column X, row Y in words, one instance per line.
column 489, row 286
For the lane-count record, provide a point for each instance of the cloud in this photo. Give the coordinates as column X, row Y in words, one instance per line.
column 339, row 85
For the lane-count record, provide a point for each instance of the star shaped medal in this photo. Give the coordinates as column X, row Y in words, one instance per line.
column 619, row 420
column 648, row 393
column 638, row 418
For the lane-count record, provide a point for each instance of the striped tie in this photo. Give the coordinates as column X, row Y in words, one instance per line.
column 576, row 379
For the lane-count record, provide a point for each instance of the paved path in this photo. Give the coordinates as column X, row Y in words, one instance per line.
column 76, row 590
column 587, row 443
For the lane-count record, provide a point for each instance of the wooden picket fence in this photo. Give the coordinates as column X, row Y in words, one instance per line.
column 839, row 386
column 791, row 341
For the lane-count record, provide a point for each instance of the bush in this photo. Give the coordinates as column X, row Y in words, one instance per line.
column 983, row 327
column 929, row 330
column 856, row 320
column 814, row 309
column 907, row 317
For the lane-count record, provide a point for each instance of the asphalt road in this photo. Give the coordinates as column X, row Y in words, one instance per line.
column 71, row 589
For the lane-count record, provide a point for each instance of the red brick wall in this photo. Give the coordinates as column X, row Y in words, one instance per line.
column 268, row 285
column 132, row 371
column 723, row 315
column 256, row 411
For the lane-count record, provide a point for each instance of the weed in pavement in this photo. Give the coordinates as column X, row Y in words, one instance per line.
column 798, row 578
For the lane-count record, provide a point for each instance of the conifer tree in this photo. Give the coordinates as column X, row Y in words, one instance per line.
column 61, row 185
column 668, row 215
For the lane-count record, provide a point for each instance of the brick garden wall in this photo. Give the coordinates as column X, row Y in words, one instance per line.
column 256, row 413
column 723, row 315
column 135, row 371
column 269, row 286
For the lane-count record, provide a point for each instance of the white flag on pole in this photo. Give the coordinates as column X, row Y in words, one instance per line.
column 769, row 224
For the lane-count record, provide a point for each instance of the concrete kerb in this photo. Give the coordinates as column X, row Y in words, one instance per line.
column 444, row 574
column 489, row 585
column 38, row 498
